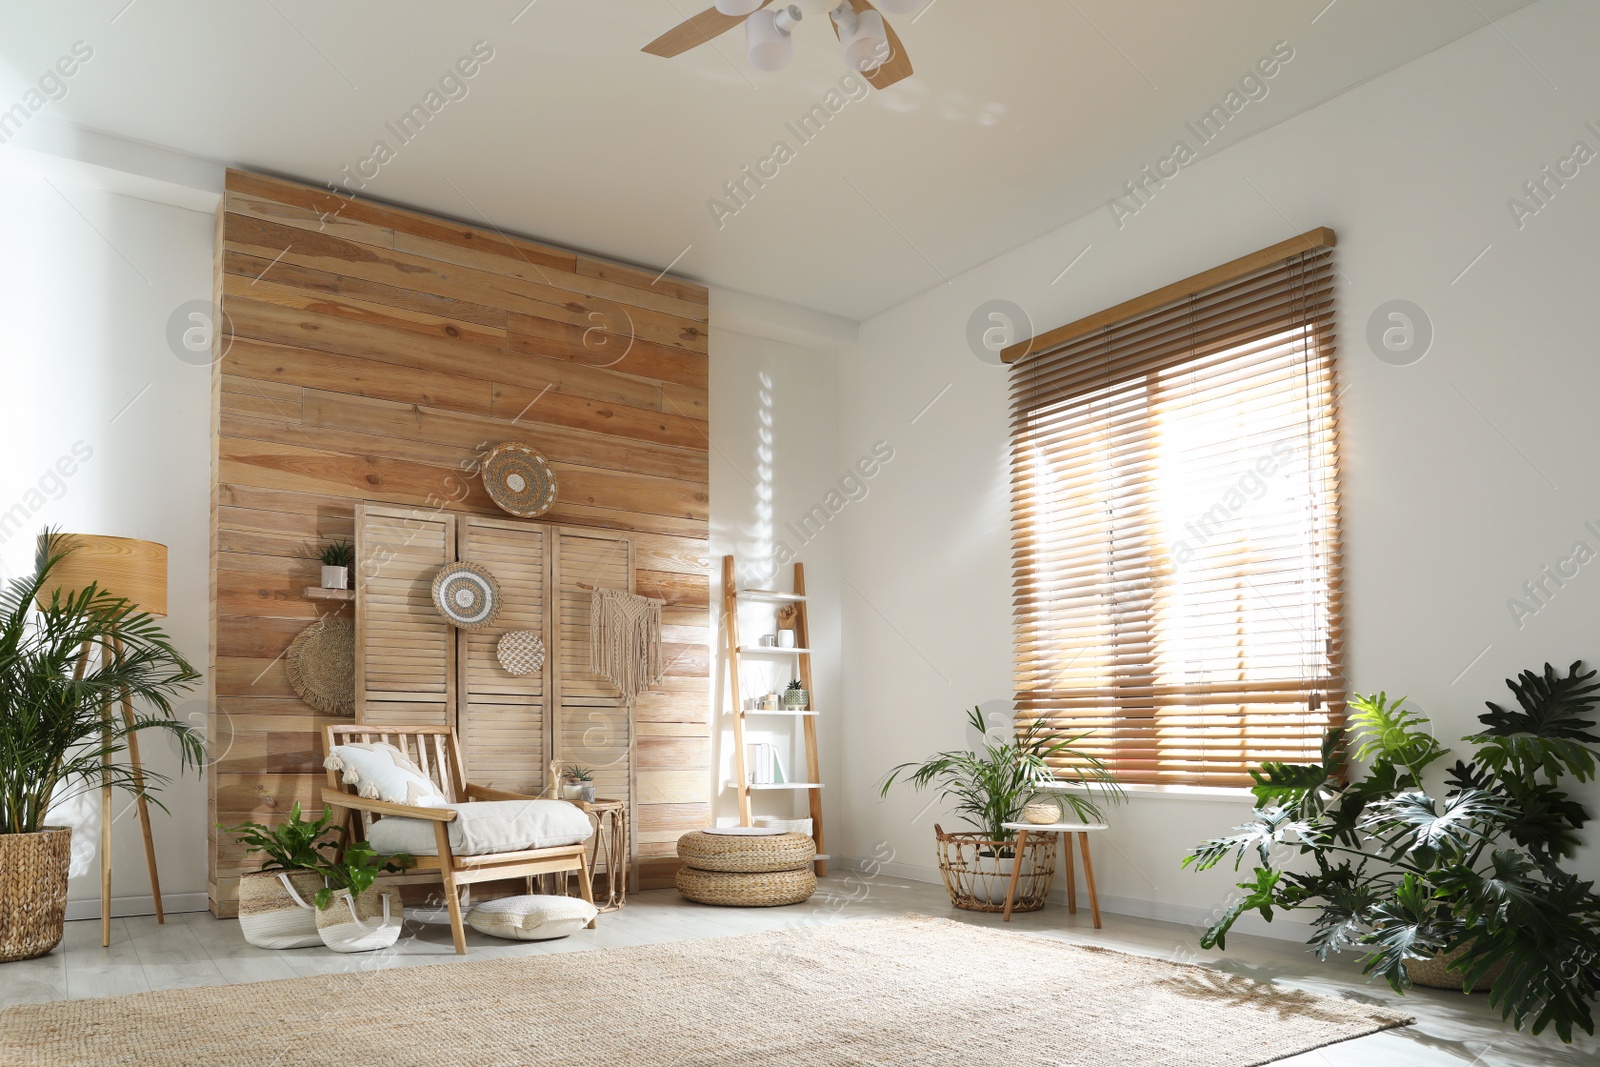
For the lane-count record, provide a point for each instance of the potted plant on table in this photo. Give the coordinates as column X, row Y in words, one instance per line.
column 63, row 663
column 275, row 902
column 352, row 916
column 1466, row 891
column 990, row 788
column 337, row 559
column 577, row 783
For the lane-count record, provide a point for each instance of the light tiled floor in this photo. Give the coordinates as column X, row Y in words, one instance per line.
column 195, row 949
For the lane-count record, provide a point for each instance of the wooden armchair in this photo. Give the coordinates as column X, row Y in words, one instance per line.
column 434, row 750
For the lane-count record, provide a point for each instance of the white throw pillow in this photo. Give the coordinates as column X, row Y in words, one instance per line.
column 382, row 772
column 484, row 827
column 535, row 918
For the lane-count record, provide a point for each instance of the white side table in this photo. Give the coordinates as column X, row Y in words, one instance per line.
column 1081, row 830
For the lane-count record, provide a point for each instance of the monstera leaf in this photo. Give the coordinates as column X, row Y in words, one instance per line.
column 1550, row 731
column 1393, row 732
column 1306, row 789
column 1408, row 926
column 1257, row 896
column 1271, row 826
column 1415, row 831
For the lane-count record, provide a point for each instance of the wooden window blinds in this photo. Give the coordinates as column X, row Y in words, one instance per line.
column 1175, row 514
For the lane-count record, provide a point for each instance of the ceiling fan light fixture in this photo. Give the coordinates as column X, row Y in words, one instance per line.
column 865, row 43
column 737, row 8
column 766, row 37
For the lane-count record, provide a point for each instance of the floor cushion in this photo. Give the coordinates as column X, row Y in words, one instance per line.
column 747, row 854
column 484, row 827
column 532, row 918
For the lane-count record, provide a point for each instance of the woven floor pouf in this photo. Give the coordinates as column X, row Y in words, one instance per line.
column 768, row 889
column 746, row 854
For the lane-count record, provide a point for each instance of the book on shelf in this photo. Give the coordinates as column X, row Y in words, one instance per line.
column 763, row 765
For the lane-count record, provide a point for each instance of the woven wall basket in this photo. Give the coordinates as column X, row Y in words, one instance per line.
column 467, row 595
column 322, row 666
column 977, row 876
column 519, row 480
column 33, row 891
column 520, row 652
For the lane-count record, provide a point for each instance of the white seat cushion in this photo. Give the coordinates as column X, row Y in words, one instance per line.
column 382, row 772
column 535, row 918
column 485, row 827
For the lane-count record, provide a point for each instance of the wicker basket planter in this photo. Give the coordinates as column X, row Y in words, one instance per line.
column 33, row 891
column 275, row 909
column 1435, row 973
column 977, row 870
column 361, row 924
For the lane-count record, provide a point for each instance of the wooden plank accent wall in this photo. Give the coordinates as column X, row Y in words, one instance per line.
column 371, row 353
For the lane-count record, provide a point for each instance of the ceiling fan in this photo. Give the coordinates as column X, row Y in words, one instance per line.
column 869, row 43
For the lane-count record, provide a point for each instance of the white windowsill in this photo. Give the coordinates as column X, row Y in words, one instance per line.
column 1226, row 794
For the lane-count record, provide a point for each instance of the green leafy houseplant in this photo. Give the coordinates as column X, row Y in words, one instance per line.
column 991, row 787
column 338, row 554
column 355, row 871
column 57, row 737
column 296, row 845
column 1473, row 878
column 576, row 773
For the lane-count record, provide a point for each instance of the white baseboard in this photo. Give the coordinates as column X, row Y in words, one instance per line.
column 1195, row 917
column 121, row 907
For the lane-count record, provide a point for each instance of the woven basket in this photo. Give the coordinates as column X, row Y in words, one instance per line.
column 766, row 890
column 978, row 877
column 271, row 917
column 33, row 891
column 361, row 924
column 1435, row 973
column 747, row 855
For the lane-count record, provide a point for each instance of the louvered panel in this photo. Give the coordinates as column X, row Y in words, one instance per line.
column 404, row 649
column 592, row 723
column 502, row 719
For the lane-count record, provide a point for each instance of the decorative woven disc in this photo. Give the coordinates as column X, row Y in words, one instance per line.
column 519, row 480
column 467, row 595
column 322, row 666
column 520, row 652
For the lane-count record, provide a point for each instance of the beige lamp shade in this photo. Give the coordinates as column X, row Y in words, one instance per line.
column 124, row 567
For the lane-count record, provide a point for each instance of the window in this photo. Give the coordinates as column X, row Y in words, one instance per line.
column 1175, row 513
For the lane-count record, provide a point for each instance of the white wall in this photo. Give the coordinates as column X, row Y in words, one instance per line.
column 88, row 280
column 1463, row 474
column 775, row 455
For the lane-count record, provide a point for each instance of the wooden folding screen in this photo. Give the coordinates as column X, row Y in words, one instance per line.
column 415, row 668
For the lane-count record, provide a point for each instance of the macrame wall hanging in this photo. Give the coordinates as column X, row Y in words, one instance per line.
column 625, row 641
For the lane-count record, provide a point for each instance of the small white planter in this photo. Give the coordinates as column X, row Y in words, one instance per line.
column 361, row 924
column 336, row 577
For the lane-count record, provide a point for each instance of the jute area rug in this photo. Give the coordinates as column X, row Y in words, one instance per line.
column 912, row 990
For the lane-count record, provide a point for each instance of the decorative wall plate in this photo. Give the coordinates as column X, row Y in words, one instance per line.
column 467, row 595
column 520, row 652
column 322, row 666
column 519, row 480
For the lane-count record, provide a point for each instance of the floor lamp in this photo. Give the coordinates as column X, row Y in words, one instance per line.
column 137, row 572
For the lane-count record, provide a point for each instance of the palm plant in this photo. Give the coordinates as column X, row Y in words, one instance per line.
column 62, row 664
column 990, row 787
column 1474, row 878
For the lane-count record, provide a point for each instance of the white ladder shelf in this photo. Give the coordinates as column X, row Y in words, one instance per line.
column 732, row 596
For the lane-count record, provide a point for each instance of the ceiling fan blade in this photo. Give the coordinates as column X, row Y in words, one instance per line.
column 692, row 32
column 897, row 67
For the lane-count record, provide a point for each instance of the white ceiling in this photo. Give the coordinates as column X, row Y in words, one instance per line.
column 1023, row 115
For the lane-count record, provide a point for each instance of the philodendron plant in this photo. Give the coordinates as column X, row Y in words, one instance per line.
column 1396, row 871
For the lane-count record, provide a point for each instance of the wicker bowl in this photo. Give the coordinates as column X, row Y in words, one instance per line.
column 747, row 854
column 977, row 870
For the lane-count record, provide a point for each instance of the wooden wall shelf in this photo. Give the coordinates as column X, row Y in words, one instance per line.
column 316, row 592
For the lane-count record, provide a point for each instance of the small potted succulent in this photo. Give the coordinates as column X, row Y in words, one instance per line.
column 274, row 902
column 337, row 559
column 577, row 783
column 795, row 697
column 351, row 915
